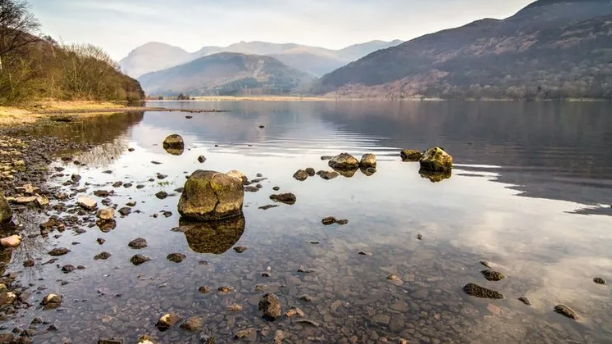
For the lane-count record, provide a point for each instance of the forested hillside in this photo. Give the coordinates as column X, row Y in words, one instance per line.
column 33, row 66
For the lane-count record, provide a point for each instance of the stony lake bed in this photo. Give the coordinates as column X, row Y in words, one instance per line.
column 380, row 255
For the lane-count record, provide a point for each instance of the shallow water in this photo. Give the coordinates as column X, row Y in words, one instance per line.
column 530, row 193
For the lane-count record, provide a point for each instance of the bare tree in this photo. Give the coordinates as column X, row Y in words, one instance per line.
column 18, row 27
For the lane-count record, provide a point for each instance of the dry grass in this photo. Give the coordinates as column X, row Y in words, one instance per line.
column 10, row 116
column 77, row 105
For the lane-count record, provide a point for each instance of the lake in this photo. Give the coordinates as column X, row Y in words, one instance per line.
column 530, row 194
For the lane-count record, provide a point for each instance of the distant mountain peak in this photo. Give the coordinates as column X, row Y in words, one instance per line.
column 226, row 73
column 154, row 56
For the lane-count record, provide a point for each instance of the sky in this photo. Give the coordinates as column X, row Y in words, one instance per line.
column 118, row 26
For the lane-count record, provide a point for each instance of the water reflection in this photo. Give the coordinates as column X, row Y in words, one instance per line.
column 215, row 237
column 174, row 151
column 547, row 253
column 107, row 133
column 436, row 177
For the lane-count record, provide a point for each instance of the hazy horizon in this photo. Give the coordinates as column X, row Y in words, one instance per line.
column 118, row 26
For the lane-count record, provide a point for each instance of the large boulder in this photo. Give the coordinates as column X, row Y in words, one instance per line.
column 211, row 196
column 368, row 161
column 344, row 161
column 174, row 141
column 6, row 213
column 436, row 160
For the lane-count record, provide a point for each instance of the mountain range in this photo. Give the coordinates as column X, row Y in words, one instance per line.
column 317, row 61
column 550, row 49
column 226, row 74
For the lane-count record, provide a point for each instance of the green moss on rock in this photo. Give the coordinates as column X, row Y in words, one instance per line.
column 436, row 160
column 211, row 196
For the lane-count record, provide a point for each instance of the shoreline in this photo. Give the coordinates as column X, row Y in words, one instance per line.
column 16, row 116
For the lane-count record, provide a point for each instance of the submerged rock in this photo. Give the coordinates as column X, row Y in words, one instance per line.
column 125, row 211
column 270, row 307
column 249, row 333
column 210, row 196
column 204, row 289
column 110, row 341
column 192, row 324
column 201, row 159
column 368, row 160
column 6, row 213
column 300, row 175
column 525, row 300
column 436, row 160
column 166, row 321
column 138, row 243
column 491, row 275
column 566, row 311
column 482, row 292
column 411, row 155
column 51, row 301
column 269, row 206
column 287, row 198
column 60, row 251
column 139, row 259
column 310, row 171
column 344, row 161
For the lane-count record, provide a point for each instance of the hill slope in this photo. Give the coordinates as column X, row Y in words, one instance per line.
column 226, row 74
column 153, row 57
column 549, row 49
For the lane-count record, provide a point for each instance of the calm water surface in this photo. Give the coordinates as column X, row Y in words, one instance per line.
column 531, row 193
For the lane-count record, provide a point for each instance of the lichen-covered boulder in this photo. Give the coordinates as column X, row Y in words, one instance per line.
column 270, row 307
column 411, row 155
column 211, row 196
column 6, row 213
column 368, row 160
column 436, row 160
column 344, row 161
column 174, row 141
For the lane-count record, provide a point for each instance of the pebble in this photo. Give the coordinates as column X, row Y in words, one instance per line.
column 139, row 259
column 599, row 280
column 102, row 256
column 176, row 257
column 566, row 311
column 240, row 249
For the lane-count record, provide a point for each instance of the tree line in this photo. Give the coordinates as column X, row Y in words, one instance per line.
column 34, row 66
